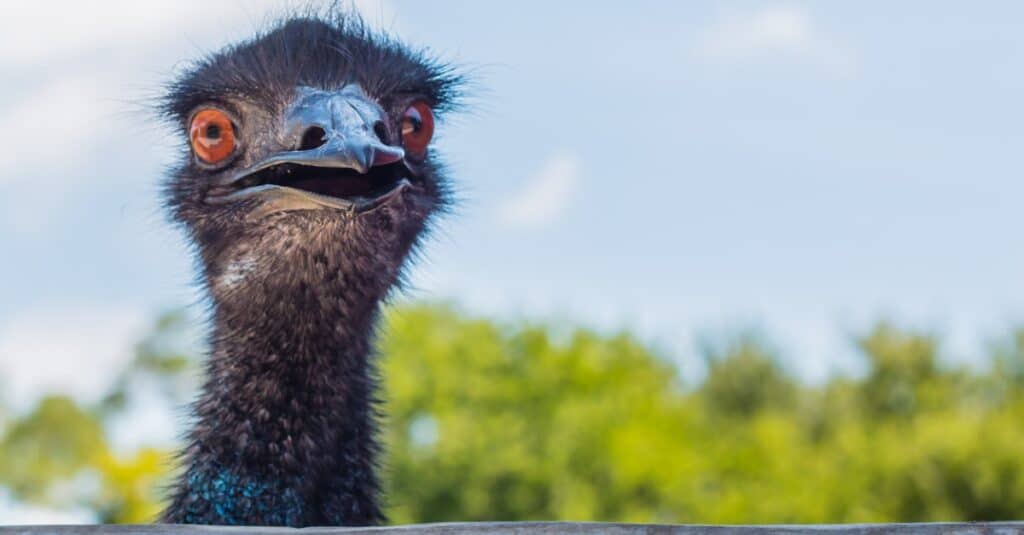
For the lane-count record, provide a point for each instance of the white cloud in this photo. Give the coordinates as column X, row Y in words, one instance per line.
column 52, row 126
column 545, row 196
column 779, row 31
column 32, row 33
column 74, row 350
column 14, row 513
column 75, row 69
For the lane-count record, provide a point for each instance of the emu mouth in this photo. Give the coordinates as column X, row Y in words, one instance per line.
column 294, row 186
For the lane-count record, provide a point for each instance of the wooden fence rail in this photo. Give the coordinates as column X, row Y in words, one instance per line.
column 543, row 528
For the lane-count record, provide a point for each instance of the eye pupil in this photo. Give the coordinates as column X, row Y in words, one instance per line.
column 213, row 131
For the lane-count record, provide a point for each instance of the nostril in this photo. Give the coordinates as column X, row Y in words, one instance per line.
column 381, row 130
column 313, row 138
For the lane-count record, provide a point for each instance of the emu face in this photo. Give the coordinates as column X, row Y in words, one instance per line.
column 309, row 158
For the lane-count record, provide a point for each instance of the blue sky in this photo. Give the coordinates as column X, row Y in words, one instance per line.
column 675, row 167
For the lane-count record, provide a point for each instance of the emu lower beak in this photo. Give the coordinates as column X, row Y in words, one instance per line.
column 341, row 161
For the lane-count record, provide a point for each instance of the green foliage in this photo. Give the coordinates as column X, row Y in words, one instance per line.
column 54, row 441
column 489, row 423
column 744, row 378
column 58, row 454
column 523, row 422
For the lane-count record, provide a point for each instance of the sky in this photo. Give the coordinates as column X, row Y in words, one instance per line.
column 683, row 169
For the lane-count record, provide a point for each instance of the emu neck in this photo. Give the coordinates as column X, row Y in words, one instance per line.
column 285, row 431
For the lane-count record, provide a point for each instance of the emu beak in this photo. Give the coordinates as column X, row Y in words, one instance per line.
column 348, row 120
column 338, row 132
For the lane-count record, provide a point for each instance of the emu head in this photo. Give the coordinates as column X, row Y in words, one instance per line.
column 309, row 159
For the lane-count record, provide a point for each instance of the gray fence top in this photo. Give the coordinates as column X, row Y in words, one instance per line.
column 545, row 528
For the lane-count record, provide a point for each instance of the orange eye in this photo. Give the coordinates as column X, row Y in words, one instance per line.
column 417, row 128
column 212, row 136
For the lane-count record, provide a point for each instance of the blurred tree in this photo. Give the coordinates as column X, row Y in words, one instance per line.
column 901, row 364
column 518, row 422
column 131, row 489
column 744, row 377
column 52, row 443
column 486, row 422
column 58, row 454
column 1006, row 382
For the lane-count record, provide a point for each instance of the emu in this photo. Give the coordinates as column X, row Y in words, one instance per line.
column 306, row 181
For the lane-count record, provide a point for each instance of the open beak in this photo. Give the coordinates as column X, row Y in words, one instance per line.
column 341, row 160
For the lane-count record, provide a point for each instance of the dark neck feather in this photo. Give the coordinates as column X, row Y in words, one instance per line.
column 285, row 423
column 284, row 431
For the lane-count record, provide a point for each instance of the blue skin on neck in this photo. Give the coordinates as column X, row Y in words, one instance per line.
column 221, row 496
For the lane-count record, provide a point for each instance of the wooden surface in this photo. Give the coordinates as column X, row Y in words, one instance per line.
column 546, row 528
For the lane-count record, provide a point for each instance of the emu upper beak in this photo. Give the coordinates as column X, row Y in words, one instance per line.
column 348, row 120
column 337, row 132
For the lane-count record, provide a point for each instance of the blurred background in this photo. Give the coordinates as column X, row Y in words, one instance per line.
column 725, row 262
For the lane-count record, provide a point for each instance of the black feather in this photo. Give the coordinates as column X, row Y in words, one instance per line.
column 284, row 430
